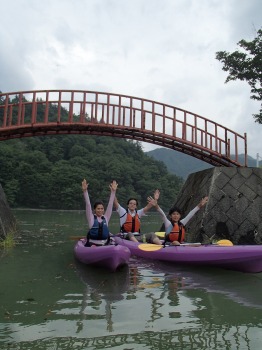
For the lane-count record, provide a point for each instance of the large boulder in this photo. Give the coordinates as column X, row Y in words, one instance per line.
column 234, row 209
column 7, row 219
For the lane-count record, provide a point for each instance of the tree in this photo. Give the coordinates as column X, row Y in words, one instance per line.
column 46, row 171
column 246, row 66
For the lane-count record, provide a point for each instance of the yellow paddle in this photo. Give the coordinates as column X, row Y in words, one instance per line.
column 76, row 238
column 221, row 242
column 224, row 243
column 147, row 247
column 160, row 234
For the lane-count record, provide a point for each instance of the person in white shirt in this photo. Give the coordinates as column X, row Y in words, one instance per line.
column 130, row 221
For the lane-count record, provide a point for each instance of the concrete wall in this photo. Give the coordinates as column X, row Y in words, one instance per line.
column 234, row 209
column 7, row 220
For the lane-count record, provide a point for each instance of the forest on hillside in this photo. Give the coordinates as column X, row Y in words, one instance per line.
column 46, row 172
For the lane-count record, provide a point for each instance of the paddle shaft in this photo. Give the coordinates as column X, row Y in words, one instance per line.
column 76, row 238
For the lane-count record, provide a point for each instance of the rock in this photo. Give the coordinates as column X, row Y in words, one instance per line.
column 234, row 208
column 7, row 219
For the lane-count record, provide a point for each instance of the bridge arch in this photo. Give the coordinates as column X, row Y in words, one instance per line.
column 54, row 112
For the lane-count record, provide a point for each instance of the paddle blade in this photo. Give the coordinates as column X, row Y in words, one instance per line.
column 224, row 242
column 160, row 234
column 147, row 247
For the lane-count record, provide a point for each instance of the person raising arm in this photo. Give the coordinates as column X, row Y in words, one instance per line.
column 98, row 220
column 130, row 220
column 175, row 226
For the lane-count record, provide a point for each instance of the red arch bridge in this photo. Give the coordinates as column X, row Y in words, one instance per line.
column 55, row 112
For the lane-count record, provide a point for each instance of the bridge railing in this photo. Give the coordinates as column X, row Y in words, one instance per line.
column 143, row 119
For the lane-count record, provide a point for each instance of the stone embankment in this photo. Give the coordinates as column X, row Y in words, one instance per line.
column 234, row 208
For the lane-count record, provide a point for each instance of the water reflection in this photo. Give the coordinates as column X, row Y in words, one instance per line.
column 239, row 287
column 50, row 301
column 147, row 305
column 101, row 287
column 213, row 308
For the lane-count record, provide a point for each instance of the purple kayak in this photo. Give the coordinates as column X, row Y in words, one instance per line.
column 108, row 256
column 245, row 258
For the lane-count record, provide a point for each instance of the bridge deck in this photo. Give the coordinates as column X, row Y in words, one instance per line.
column 54, row 112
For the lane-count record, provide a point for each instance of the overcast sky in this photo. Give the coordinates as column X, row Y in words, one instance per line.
column 162, row 50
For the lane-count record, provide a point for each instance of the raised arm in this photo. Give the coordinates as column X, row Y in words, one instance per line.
column 89, row 214
column 116, row 203
column 152, row 202
column 165, row 220
column 200, row 205
column 113, row 188
column 203, row 202
column 149, row 205
column 84, row 185
column 156, row 194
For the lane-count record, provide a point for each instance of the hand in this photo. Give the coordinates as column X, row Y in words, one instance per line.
column 156, row 195
column 203, row 202
column 113, row 186
column 84, row 185
column 152, row 201
column 175, row 243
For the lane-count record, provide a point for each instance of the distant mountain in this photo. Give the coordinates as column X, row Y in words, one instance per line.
column 183, row 165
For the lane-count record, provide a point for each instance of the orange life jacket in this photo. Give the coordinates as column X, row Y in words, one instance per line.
column 132, row 223
column 177, row 233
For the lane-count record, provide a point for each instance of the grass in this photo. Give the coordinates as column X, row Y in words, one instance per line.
column 9, row 240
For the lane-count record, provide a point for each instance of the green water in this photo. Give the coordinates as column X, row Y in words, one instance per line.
column 49, row 301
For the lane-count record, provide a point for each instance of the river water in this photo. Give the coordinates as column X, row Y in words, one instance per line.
column 49, row 301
